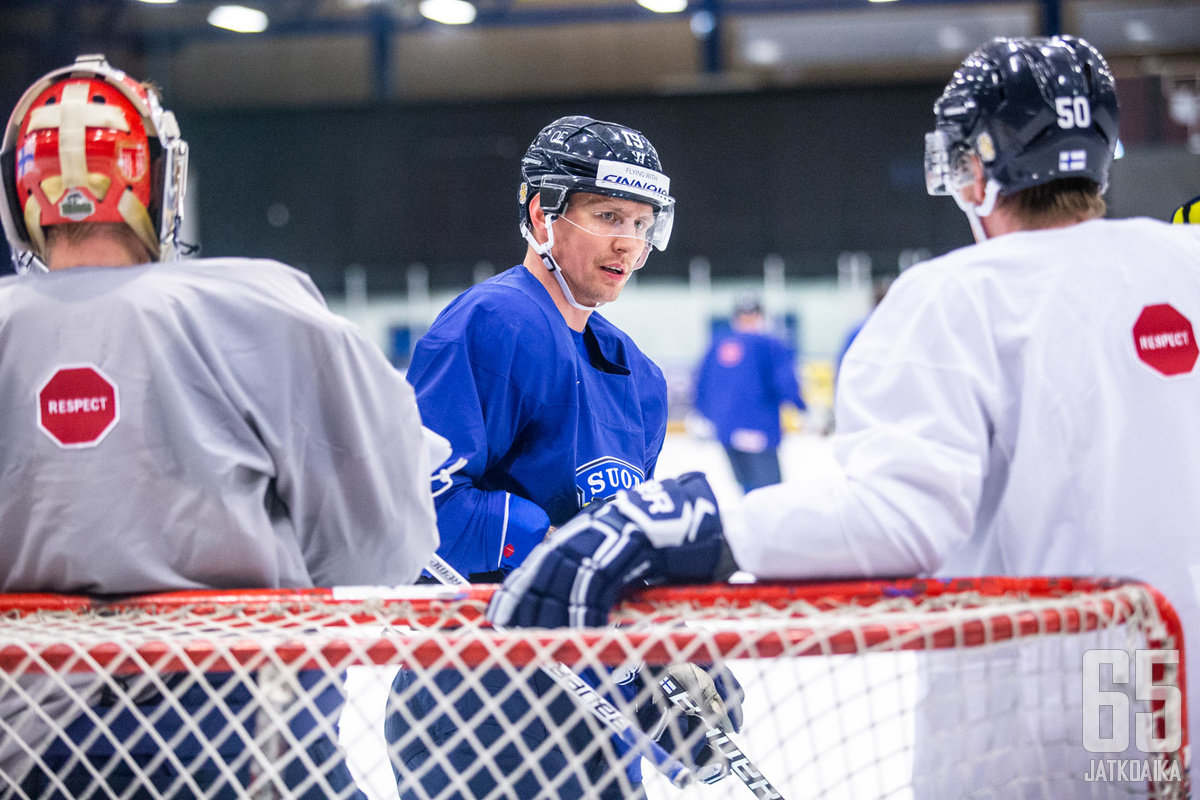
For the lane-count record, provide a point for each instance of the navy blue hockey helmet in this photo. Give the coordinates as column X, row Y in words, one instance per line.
column 1034, row 110
column 581, row 154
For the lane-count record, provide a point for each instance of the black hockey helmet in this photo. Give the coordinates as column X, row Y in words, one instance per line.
column 581, row 154
column 1033, row 109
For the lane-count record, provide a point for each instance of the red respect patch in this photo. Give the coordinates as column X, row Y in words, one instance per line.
column 1164, row 340
column 78, row 406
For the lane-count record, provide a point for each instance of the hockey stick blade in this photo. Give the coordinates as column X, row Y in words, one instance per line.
column 589, row 699
column 739, row 763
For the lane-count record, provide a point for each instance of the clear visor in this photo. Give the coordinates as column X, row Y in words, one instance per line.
column 937, row 163
column 611, row 216
column 947, row 168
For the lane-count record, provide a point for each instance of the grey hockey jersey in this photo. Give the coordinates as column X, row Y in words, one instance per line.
column 207, row 424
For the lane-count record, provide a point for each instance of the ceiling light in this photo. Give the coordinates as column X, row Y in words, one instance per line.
column 448, row 12
column 1184, row 106
column 951, row 38
column 238, row 18
column 1138, row 31
column 764, row 52
column 664, row 6
column 159, row 2
column 882, row 1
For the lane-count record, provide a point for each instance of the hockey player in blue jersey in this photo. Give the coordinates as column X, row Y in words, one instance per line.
column 548, row 406
column 546, row 403
column 744, row 378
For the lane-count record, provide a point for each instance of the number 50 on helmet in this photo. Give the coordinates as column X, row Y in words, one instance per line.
column 1033, row 111
column 87, row 143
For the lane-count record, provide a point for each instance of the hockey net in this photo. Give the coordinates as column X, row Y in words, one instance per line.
column 944, row 689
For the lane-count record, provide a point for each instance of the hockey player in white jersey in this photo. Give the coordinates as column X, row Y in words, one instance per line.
column 181, row 425
column 1024, row 406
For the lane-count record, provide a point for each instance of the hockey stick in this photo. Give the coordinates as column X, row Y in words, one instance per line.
column 719, row 740
column 589, row 699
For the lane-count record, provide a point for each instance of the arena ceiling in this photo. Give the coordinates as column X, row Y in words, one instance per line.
column 322, row 52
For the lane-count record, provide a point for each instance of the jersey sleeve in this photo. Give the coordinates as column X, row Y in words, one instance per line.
column 703, row 390
column 464, row 374
column 351, row 463
column 787, row 388
column 913, row 410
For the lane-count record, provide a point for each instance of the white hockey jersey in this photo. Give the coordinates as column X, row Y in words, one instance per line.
column 208, row 424
column 1027, row 406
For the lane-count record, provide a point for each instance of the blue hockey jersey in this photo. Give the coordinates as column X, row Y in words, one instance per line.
column 743, row 379
column 541, row 418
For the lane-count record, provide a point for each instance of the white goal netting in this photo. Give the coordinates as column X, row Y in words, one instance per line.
column 909, row 689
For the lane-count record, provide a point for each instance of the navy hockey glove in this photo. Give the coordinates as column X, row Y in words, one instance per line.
column 683, row 696
column 657, row 532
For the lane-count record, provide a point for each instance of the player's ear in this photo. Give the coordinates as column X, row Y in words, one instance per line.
column 537, row 218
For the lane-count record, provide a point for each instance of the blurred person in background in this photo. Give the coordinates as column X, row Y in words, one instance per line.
column 744, row 378
column 162, row 430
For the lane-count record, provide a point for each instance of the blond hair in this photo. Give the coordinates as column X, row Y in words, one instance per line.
column 1059, row 202
column 79, row 232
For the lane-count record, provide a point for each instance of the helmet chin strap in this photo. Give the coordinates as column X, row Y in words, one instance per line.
column 543, row 250
column 974, row 212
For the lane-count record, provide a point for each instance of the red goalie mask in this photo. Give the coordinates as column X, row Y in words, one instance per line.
column 89, row 144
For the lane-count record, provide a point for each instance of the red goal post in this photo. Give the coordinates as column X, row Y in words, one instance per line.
column 912, row 688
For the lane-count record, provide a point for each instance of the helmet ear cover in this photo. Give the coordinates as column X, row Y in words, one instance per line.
column 554, row 196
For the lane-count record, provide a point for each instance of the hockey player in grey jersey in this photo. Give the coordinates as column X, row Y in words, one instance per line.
column 195, row 425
